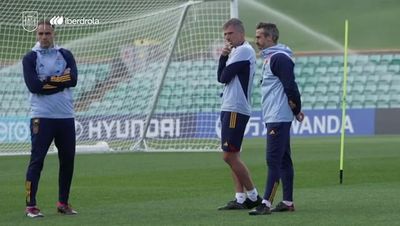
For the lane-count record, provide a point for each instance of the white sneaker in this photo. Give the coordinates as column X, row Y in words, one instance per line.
column 65, row 209
column 33, row 212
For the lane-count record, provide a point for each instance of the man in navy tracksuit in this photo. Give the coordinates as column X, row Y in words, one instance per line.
column 49, row 73
column 280, row 104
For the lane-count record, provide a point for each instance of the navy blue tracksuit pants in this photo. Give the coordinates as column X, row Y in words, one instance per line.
column 280, row 166
column 43, row 132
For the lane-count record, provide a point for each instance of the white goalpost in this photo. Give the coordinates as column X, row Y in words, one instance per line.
column 147, row 72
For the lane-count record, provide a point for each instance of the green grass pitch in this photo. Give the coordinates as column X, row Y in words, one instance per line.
column 327, row 18
column 186, row 188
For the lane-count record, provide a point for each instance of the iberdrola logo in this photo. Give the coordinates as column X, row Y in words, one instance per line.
column 59, row 20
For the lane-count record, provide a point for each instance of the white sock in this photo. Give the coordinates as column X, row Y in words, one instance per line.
column 288, row 203
column 240, row 197
column 267, row 203
column 252, row 194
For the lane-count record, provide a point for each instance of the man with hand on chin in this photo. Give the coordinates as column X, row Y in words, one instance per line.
column 236, row 70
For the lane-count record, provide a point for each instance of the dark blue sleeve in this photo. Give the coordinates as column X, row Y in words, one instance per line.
column 31, row 77
column 221, row 66
column 227, row 73
column 66, row 80
column 283, row 67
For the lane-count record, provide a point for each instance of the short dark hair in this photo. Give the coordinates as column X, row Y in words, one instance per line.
column 270, row 29
column 45, row 22
column 236, row 23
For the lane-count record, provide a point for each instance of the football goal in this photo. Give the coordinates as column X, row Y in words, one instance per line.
column 147, row 72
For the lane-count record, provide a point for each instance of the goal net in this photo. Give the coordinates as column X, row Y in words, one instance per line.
column 147, row 71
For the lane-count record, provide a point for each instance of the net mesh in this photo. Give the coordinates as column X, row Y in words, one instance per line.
column 139, row 62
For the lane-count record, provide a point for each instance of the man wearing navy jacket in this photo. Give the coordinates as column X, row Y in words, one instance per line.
column 280, row 104
column 49, row 74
